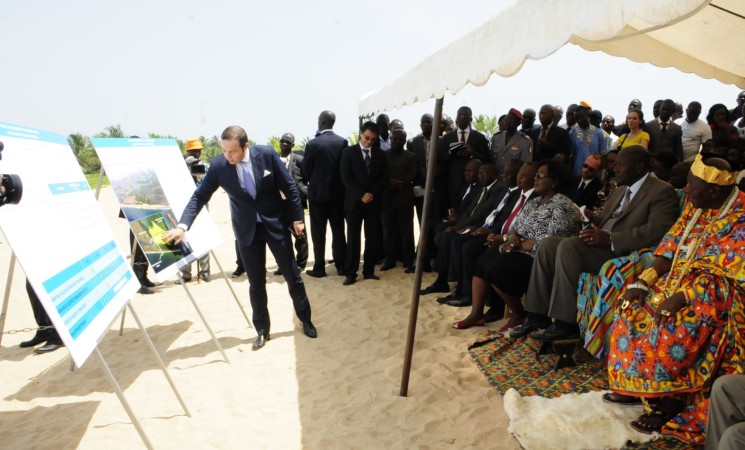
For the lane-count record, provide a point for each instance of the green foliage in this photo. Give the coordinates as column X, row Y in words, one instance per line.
column 84, row 152
column 486, row 124
column 302, row 144
column 274, row 142
column 211, row 147
column 181, row 144
column 354, row 138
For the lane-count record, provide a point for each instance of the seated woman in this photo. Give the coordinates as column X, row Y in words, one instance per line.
column 506, row 267
column 681, row 323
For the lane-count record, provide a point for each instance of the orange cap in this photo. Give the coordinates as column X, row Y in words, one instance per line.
column 194, row 144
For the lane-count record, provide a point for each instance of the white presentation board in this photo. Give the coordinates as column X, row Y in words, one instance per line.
column 153, row 186
column 62, row 239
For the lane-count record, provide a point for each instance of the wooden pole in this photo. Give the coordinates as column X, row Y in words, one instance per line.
column 421, row 247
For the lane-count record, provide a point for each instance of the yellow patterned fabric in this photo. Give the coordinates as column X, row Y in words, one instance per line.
column 706, row 339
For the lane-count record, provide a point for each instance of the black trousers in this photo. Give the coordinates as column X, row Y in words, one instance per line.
column 398, row 234
column 254, row 260
column 139, row 259
column 332, row 213
column 369, row 215
column 41, row 317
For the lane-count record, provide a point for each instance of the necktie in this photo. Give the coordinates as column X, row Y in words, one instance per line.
column 664, row 127
column 618, row 211
column 478, row 202
column 248, row 181
column 490, row 220
column 544, row 131
column 463, row 137
column 508, row 222
column 367, row 159
column 580, row 191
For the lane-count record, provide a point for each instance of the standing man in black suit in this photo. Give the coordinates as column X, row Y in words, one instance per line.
column 664, row 134
column 253, row 179
column 454, row 151
column 419, row 145
column 398, row 205
column 584, row 188
column 549, row 139
column 325, row 194
column 293, row 163
column 364, row 172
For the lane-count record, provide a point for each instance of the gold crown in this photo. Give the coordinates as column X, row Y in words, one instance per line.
column 711, row 174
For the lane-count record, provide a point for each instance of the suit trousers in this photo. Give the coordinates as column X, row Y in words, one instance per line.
column 726, row 427
column 332, row 213
column 464, row 251
column 369, row 215
column 398, row 233
column 554, row 279
column 139, row 260
column 41, row 317
column 203, row 267
column 254, row 260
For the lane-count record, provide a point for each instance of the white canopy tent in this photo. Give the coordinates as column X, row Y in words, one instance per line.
column 695, row 36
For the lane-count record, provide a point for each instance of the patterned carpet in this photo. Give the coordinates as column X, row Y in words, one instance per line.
column 513, row 364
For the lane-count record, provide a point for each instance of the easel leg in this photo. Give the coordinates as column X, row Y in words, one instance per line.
column 160, row 361
column 123, row 400
column 230, row 286
column 204, row 321
column 6, row 297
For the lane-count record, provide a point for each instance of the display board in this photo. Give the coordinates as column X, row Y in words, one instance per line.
column 62, row 239
column 153, row 186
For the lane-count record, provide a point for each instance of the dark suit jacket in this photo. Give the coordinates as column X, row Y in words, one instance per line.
column 588, row 197
column 671, row 141
column 400, row 167
column 652, row 211
column 321, row 167
column 452, row 166
column 356, row 180
column 419, row 149
column 558, row 142
column 270, row 177
column 296, row 172
column 477, row 212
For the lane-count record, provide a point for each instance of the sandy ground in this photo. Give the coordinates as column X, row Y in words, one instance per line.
column 338, row 391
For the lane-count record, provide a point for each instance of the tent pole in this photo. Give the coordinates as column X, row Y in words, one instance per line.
column 422, row 246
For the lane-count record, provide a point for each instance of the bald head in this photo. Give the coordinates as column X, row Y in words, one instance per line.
column 326, row 120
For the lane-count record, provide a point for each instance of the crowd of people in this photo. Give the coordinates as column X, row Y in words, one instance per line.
column 516, row 218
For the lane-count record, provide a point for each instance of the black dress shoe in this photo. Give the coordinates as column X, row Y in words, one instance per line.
column 387, row 265
column 238, row 272
column 557, row 331
column 205, row 277
column 410, row 269
column 48, row 347
column 370, row 276
column 435, row 287
column 493, row 316
column 310, row 330
column 277, row 272
column 260, row 341
column 447, row 298
column 532, row 323
column 348, row 281
column 147, row 283
column 186, row 280
column 316, row 273
column 460, row 302
column 145, row 290
column 36, row 340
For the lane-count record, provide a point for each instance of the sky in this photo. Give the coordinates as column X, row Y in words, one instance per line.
column 191, row 68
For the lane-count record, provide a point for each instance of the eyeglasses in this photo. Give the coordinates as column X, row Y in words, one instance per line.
column 541, row 175
column 586, row 166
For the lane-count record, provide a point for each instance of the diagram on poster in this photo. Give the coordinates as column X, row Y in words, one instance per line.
column 153, row 186
column 62, row 239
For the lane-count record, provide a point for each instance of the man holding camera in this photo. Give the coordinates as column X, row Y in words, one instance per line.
column 197, row 168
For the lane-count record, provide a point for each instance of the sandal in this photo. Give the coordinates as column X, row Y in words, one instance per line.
column 653, row 420
column 620, row 399
column 465, row 324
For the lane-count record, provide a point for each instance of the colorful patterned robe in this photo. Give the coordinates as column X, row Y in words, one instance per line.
column 702, row 341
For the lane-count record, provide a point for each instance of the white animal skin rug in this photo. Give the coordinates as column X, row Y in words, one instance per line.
column 572, row 421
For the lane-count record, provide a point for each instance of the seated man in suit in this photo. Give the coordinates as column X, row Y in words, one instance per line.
column 549, row 139
column 253, row 178
column 364, row 172
column 632, row 218
column 488, row 197
column 584, row 189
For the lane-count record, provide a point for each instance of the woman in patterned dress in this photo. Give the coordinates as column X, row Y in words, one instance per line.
column 506, row 267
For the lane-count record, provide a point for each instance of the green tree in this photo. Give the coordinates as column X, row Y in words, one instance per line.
column 112, row 131
column 181, row 144
column 486, row 124
column 302, row 144
column 274, row 142
column 84, row 152
column 211, row 147
column 354, row 138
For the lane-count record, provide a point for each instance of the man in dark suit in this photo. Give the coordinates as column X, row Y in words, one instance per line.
column 364, row 172
column 253, row 178
column 633, row 217
column 419, row 145
column 398, row 205
column 325, row 194
column 549, row 139
column 453, row 153
column 584, row 188
column 664, row 134
column 293, row 163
